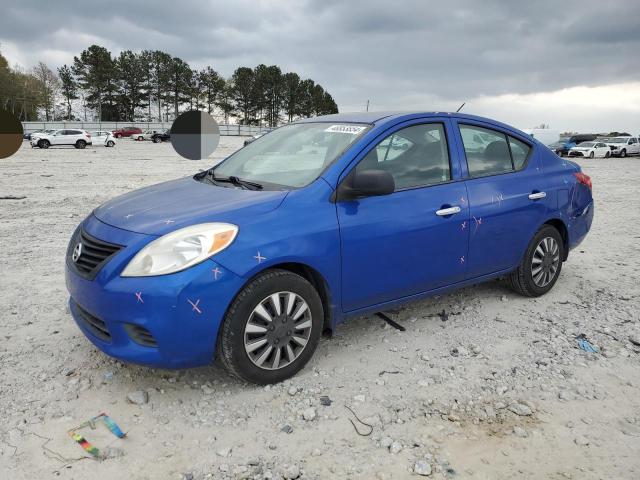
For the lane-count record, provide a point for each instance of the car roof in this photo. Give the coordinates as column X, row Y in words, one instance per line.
column 380, row 117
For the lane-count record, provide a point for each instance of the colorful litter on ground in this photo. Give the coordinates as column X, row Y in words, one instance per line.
column 84, row 443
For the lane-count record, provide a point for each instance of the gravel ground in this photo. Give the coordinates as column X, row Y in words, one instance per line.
column 484, row 384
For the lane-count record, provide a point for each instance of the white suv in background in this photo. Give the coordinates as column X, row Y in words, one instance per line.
column 623, row 146
column 103, row 137
column 76, row 138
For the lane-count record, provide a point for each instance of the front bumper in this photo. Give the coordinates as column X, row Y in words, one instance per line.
column 178, row 314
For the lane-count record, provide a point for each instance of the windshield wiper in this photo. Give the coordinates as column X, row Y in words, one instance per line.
column 236, row 181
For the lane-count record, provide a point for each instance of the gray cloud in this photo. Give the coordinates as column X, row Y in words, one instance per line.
column 401, row 54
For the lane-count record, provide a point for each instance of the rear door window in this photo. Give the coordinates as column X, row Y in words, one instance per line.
column 487, row 151
column 490, row 152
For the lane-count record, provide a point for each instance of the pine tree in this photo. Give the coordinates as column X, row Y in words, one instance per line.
column 68, row 88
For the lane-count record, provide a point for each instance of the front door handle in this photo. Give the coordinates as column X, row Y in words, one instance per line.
column 537, row 195
column 445, row 212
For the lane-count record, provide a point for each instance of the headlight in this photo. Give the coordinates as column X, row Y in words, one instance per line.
column 181, row 249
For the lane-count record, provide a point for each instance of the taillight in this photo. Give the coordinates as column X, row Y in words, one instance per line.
column 584, row 179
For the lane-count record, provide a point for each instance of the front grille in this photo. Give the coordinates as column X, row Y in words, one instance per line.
column 94, row 254
column 140, row 335
column 96, row 326
column 576, row 154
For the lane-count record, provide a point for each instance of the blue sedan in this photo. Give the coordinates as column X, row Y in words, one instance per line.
column 321, row 220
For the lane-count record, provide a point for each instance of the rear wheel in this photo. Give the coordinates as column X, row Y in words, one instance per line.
column 110, row 143
column 272, row 328
column 118, row 135
column 81, row 144
column 539, row 269
column 44, row 143
column 140, row 139
column 156, row 139
column 623, row 153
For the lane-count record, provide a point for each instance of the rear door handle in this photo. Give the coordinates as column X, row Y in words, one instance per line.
column 445, row 212
column 537, row 195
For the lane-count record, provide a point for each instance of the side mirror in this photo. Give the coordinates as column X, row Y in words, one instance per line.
column 366, row 183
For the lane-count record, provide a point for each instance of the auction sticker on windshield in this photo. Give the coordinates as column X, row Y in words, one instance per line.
column 352, row 129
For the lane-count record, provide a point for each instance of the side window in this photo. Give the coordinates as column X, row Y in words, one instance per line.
column 490, row 155
column 414, row 156
column 519, row 152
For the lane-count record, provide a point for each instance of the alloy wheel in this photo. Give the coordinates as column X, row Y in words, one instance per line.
column 277, row 330
column 545, row 262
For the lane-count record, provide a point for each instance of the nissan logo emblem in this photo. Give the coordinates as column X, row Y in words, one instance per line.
column 77, row 251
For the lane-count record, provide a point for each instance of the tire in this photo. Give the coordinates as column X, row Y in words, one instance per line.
column 233, row 338
column 156, row 140
column 607, row 155
column 623, row 153
column 118, row 135
column 44, row 144
column 81, row 144
column 110, row 143
column 591, row 155
column 523, row 280
column 140, row 139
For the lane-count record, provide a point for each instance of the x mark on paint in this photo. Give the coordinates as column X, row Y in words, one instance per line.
column 462, row 259
column 167, row 222
column 195, row 306
column 216, row 273
column 259, row 257
column 128, row 216
column 478, row 223
column 139, row 297
column 463, row 225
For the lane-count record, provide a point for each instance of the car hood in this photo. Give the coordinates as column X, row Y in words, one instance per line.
column 162, row 208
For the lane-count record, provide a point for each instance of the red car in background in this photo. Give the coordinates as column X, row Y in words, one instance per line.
column 126, row 132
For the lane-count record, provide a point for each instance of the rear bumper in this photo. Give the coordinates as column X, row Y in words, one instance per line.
column 168, row 321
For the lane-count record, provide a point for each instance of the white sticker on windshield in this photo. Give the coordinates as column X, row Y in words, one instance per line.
column 351, row 129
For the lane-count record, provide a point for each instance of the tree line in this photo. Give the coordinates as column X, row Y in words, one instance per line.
column 155, row 86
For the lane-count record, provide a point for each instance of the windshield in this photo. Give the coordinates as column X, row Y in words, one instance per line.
column 619, row 140
column 291, row 156
column 587, row 144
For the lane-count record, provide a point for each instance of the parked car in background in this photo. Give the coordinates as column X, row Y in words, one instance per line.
column 591, row 150
column 145, row 135
column 27, row 136
column 623, row 146
column 76, row 138
column 126, row 132
column 103, row 137
column 222, row 264
column 582, row 137
column 562, row 147
column 253, row 138
column 163, row 136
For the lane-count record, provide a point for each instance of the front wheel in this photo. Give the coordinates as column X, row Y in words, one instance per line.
column 272, row 328
column 591, row 155
column 607, row 154
column 156, row 140
column 44, row 144
column 541, row 265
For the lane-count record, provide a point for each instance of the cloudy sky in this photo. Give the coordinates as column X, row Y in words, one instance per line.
column 571, row 64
